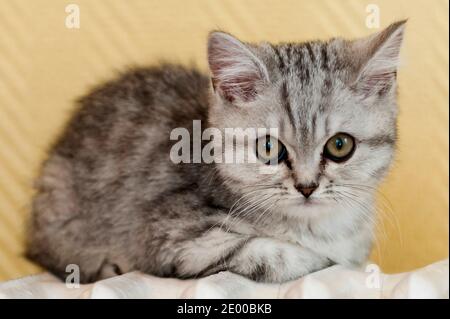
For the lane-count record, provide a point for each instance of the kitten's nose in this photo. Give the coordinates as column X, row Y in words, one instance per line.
column 306, row 190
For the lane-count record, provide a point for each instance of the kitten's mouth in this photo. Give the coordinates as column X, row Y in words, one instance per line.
column 309, row 202
column 306, row 205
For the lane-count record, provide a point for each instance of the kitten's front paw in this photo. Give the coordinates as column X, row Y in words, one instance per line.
column 271, row 260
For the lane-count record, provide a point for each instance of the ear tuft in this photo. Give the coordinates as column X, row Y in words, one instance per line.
column 379, row 56
column 237, row 73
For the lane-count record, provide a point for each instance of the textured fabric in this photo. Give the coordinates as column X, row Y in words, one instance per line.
column 44, row 66
column 333, row 282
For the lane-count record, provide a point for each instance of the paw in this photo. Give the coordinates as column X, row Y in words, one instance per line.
column 271, row 260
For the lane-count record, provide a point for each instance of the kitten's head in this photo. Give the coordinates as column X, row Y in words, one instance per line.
column 334, row 105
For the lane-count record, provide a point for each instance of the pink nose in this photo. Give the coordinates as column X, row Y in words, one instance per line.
column 306, row 190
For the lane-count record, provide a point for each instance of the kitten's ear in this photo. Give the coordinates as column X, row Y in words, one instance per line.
column 237, row 73
column 378, row 59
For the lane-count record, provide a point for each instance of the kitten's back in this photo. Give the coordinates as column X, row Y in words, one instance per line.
column 114, row 151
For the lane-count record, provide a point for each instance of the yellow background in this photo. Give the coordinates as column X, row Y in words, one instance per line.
column 44, row 66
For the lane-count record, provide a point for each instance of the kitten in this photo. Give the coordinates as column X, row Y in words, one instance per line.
column 110, row 200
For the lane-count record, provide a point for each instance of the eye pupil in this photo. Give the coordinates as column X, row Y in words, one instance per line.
column 339, row 143
column 270, row 150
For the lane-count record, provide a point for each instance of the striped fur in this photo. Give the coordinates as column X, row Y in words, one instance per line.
column 110, row 200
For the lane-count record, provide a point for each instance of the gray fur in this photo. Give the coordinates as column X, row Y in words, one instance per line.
column 110, row 200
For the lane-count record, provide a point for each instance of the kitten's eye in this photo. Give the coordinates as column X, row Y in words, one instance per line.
column 269, row 150
column 339, row 148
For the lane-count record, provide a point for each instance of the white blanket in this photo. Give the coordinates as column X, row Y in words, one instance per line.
column 334, row 282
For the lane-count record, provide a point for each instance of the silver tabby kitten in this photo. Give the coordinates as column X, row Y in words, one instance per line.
column 110, row 200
